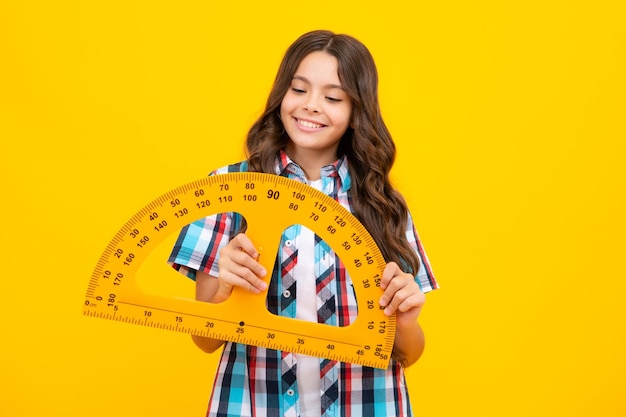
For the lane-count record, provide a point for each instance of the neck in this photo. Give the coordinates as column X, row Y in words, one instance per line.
column 311, row 162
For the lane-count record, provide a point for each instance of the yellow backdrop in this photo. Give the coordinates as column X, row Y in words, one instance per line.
column 509, row 120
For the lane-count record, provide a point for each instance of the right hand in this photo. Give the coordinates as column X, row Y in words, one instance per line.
column 238, row 267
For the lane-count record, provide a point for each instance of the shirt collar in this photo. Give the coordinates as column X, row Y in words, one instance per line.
column 284, row 166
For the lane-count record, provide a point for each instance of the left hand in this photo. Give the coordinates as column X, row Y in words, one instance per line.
column 402, row 295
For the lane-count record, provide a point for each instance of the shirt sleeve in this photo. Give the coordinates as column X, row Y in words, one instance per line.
column 199, row 243
column 425, row 277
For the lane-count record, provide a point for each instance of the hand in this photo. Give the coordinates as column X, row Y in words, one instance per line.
column 402, row 295
column 238, row 267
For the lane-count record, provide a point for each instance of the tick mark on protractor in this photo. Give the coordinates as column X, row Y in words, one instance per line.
column 303, row 335
column 149, row 307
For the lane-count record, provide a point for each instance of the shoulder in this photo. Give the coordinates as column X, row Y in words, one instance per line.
column 236, row 167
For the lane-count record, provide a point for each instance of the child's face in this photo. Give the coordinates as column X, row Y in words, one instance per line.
column 316, row 111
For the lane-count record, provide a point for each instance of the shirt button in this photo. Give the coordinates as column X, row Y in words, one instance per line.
column 290, row 392
column 287, row 294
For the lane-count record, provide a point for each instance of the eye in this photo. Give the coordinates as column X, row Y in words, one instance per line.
column 297, row 90
column 333, row 99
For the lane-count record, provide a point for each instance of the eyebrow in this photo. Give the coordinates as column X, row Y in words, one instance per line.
column 301, row 78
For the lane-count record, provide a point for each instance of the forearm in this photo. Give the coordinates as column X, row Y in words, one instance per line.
column 238, row 267
column 207, row 290
column 409, row 343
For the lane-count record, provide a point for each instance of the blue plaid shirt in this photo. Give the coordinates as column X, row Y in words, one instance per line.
column 254, row 381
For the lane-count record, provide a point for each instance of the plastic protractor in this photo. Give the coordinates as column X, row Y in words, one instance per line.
column 270, row 204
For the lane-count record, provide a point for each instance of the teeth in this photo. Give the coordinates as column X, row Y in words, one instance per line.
column 309, row 124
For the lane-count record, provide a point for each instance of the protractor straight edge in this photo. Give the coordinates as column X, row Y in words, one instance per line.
column 270, row 204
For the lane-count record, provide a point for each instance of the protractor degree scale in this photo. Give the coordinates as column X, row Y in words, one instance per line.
column 270, row 204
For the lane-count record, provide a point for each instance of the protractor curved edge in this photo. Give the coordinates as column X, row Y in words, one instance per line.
column 112, row 282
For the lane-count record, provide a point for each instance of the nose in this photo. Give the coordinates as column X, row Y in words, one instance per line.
column 311, row 106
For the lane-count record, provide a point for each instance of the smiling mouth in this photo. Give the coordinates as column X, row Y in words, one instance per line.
column 310, row 125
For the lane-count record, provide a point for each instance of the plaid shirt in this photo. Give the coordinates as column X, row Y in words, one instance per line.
column 252, row 381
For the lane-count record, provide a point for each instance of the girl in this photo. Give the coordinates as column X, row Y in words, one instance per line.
column 322, row 125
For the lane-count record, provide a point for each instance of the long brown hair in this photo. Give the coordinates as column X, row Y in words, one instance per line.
column 367, row 143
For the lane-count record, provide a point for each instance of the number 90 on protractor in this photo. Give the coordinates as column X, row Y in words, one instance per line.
column 270, row 204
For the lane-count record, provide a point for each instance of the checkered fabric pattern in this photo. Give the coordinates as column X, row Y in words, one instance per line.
column 258, row 382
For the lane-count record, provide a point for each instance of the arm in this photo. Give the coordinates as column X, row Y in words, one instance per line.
column 206, row 288
column 403, row 296
column 237, row 267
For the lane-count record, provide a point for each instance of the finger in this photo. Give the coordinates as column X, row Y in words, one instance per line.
column 390, row 300
column 392, row 280
column 243, row 279
column 391, row 270
column 241, row 259
column 415, row 300
column 240, row 250
column 243, row 243
column 233, row 273
column 400, row 288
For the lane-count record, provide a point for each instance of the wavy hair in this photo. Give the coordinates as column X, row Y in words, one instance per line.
column 367, row 143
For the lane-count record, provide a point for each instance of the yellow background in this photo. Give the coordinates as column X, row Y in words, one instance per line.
column 509, row 121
